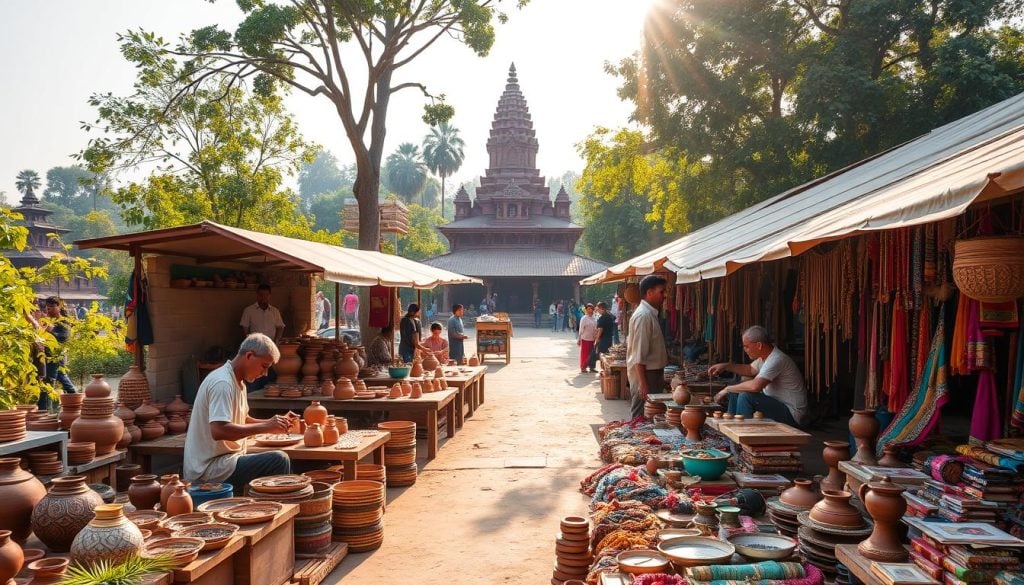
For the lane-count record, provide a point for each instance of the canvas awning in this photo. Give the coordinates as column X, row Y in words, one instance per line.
column 934, row 177
column 209, row 242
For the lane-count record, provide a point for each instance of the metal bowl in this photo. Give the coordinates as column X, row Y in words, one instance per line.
column 763, row 547
column 696, row 551
column 638, row 562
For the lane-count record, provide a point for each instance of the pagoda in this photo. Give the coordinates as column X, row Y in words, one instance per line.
column 513, row 236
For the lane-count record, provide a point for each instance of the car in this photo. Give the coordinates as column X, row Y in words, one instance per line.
column 348, row 335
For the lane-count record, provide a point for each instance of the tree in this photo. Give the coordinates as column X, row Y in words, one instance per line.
column 28, row 180
column 74, row 187
column 326, row 211
column 405, row 172
column 301, row 43
column 323, row 175
column 443, row 153
column 423, row 240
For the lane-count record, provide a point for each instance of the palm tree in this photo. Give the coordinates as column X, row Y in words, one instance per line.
column 442, row 151
column 28, row 180
column 405, row 172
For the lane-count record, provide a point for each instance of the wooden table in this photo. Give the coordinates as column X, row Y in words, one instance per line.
column 497, row 330
column 619, row 367
column 268, row 556
column 858, row 564
column 370, row 442
column 470, row 384
column 215, row 567
column 429, row 405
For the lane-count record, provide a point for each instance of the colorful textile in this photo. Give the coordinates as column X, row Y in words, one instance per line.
column 985, row 424
column 139, row 328
column 920, row 412
column 898, row 375
column 979, row 351
column 1017, row 420
column 986, row 456
column 924, row 328
column 762, row 570
column 999, row 315
column 871, row 391
column 958, row 349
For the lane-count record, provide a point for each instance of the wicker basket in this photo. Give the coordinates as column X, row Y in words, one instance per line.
column 133, row 388
column 610, row 385
column 990, row 269
column 631, row 293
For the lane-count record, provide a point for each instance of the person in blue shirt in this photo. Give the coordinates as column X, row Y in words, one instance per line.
column 456, row 335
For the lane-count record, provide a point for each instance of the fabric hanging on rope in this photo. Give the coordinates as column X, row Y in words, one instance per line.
column 979, row 350
column 958, row 351
column 985, row 417
column 920, row 412
column 139, row 328
column 1017, row 420
column 898, row 374
column 924, row 327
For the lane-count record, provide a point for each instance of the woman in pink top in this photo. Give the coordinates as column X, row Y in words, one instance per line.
column 436, row 343
column 351, row 306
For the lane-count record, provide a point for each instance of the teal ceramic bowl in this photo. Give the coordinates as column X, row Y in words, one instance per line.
column 708, row 464
column 215, row 491
column 399, row 373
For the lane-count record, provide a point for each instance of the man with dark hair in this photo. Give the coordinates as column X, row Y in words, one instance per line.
column 646, row 355
column 605, row 332
column 456, row 335
column 411, row 330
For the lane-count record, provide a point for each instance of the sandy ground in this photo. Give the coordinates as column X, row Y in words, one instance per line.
column 486, row 510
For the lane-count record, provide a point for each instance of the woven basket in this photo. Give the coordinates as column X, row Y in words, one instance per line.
column 990, row 269
column 631, row 293
column 610, row 385
column 133, row 388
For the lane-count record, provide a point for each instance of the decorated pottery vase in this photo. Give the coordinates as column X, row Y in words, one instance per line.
column 834, row 452
column 98, row 388
column 331, row 431
column 693, row 418
column 836, row 510
column 169, row 483
column 133, row 388
column 884, row 502
column 315, row 414
column 65, row 510
column 314, row 436
column 11, row 558
column 889, row 458
column 344, row 390
column 289, row 365
column 145, row 413
column 179, row 502
column 864, row 428
column 144, row 491
column 49, row 571
column 347, row 365
column 681, row 395
column 20, row 491
column 800, row 495
column 108, row 537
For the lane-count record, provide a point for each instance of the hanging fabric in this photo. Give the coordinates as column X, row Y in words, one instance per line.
column 999, row 315
column 958, row 351
column 871, row 397
column 898, row 374
column 985, row 417
column 923, row 333
column 1017, row 419
column 979, row 350
column 139, row 330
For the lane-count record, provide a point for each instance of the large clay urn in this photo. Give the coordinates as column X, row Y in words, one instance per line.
column 327, row 360
column 836, row 510
column 109, row 537
column 310, row 368
column 884, row 502
column 133, row 388
column 889, row 458
column 693, row 418
column 145, row 413
column 64, row 511
column 20, row 491
column 864, row 428
column 179, row 502
column 344, row 390
column 314, row 436
column 126, row 437
column 98, row 388
column 144, row 492
column 430, row 362
column 834, row 452
column 331, row 431
column 681, row 395
column 347, row 366
column 98, row 426
column 170, row 482
column 176, row 425
column 288, row 366
column 11, row 558
column 800, row 495
column 315, row 413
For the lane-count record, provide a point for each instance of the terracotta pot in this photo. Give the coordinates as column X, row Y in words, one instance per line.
column 135, row 432
column 344, row 390
column 144, row 491
column 177, row 406
column 124, row 474
column 681, row 395
column 98, row 388
column 693, row 418
column 359, row 385
column 145, row 413
column 289, row 365
column 11, row 557
column 327, row 387
column 315, row 413
column 347, row 366
column 313, row 437
column 48, row 571
column 180, row 502
column 109, row 537
column 331, row 431
column 836, row 510
column 327, row 361
column 163, row 421
column 152, row 430
column 439, row 372
column 417, row 391
column 417, row 368
column 834, row 452
column 68, row 416
column 430, row 363
column 801, row 494
column 474, row 360
column 64, row 511
column 310, row 369
column 124, row 413
column 342, row 424
column 396, row 391
column 126, row 437
column 20, row 491
column 864, row 428
column 406, row 388
column 176, row 425
column 103, row 429
column 889, row 458
column 169, row 483
column 652, row 466
column 884, row 502
column 133, row 388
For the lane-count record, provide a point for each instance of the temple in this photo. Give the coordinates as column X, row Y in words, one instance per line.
column 513, row 236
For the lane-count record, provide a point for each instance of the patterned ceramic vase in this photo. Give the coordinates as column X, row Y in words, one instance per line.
column 109, row 537
column 64, row 511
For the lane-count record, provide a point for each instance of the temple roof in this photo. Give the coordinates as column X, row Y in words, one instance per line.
column 517, row 262
column 489, row 221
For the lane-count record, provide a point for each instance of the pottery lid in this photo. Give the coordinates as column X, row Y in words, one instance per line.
column 108, row 511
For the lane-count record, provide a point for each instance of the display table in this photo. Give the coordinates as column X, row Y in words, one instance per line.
column 35, row 439
column 429, row 405
column 858, row 565
column 495, row 338
column 469, row 380
column 618, row 367
column 369, row 442
column 268, row 557
column 102, row 469
column 211, row 568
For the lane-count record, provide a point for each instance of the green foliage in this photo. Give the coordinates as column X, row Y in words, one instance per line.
column 96, row 346
column 27, row 180
column 405, row 174
column 130, row 572
column 423, row 240
column 323, row 175
column 443, row 153
column 76, row 188
column 326, row 210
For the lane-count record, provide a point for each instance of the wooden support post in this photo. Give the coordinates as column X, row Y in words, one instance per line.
column 137, row 256
column 337, row 311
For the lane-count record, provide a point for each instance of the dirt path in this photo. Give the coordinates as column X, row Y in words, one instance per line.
column 486, row 510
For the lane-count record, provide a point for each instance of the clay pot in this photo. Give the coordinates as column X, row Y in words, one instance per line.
column 98, row 388
column 406, row 388
column 11, row 558
column 310, row 369
column 295, row 427
column 417, row 391
column 152, row 430
column 176, row 425
column 693, row 418
column 315, row 413
column 652, row 466
column 135, row 432
column 145, row 413
column 124, row 413
column 123, row 475
column 331, row 431
column 347, row 366
column 133, row 388
column 288, row 366
column 417, row 368
column 179, row 502
column 834, row 452
column 705, row 519
column 68, row 415
column 474, row 361
column 342, row 424
column 144, row 491
column 109, row 537
column 48, row 571
column 163, row 421
column 359, row 385
column 681, row 395
column 438, row 386
column 103, row 429
column 313, row 437
column 884, row 502
column 836, row 510
column 65, row 510
column 344, row 390
column 327, row 387
column 396, row 391
column 20, row 491
column 864, row 428
column 327, row 360
column 889, row 458
column 177, row 406
column 800, row 495
column 430, row 363
column 170, row 483
column 439, row 372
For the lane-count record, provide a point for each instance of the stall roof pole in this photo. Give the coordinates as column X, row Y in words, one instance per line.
column 137, row 255
column 337, row 309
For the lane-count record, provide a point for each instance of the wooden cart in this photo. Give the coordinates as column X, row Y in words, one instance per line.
column 494, row 338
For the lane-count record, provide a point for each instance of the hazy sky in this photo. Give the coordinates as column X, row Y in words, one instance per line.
column 56, row 53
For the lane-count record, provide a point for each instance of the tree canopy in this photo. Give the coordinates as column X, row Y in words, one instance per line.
column 443, row 153
column 324, row 175
column 27, row 180
column 405, row 173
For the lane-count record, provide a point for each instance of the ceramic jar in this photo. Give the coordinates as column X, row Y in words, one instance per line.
column 20, row 491
column 64, row 511
column 864, row 428
column 331, row 431
column 430, row 363
column 179, row 502
column 169, row 483
column 145, row 413
column 800, row 495
column 836, row 510
column 327, row 360
column 48, row 571
column 315, row 413
column 310, row 368
column 68, row 414
column 109, row 537
column 98, row 388
column 123, row 475
column 313, row 437
column 728, row 521
column 327, row 387
column 889, row 458
column 347, row 366
column 288, row 366
column 135, row 432
column 342, row 424
column 144, row 492
column 417, row 368
column 11, row 558
column 344, row 390
column 884, row 502
column 417, row 391
column 133, row 388
column 396, row 391
column 103, row 429
column 681, row 395
column 126, row 437
column 177, row 407
column 176, row 425
column 693, row 418
column 834, row 452
column 406, row 388
column 152, row 430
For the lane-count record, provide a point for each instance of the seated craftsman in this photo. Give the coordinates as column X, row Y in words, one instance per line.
column 378, row 353
column 775, row 386
column 215, row 446
column 437, row 344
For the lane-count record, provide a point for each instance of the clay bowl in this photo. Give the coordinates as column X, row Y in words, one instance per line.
column 324, row 475
column 148, row 519
column 32, row 554
column 638, row 562
column 182, row 521
column 214, row 534
column 763, row 547
column 181, row 550
column 214, row 506
column 667, row 533
column 319, row 503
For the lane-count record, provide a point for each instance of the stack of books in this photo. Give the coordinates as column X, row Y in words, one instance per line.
column 964, row 553
column 763, row 459
column 768, row 484
column 988, row 482
column 956, row 503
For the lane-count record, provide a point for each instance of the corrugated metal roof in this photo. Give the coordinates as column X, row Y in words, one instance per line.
column 516, row 262
column 933, row 177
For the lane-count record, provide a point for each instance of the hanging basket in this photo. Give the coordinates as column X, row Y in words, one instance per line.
column 991, row 268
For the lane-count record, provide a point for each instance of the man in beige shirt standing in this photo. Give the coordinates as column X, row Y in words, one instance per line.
column 646, row 354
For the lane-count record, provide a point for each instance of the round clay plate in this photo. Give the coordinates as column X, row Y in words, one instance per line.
column 214, row 506
column 250, row 513
column 677, row 520
column 279, row 440
column 642, row 561
column 280, row 484
column 690, row 551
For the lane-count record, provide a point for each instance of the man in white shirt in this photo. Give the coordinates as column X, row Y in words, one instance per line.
column 587, row 337
column 775, row 388
column 215, row 443
column 646, row 354
column 262, row 317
